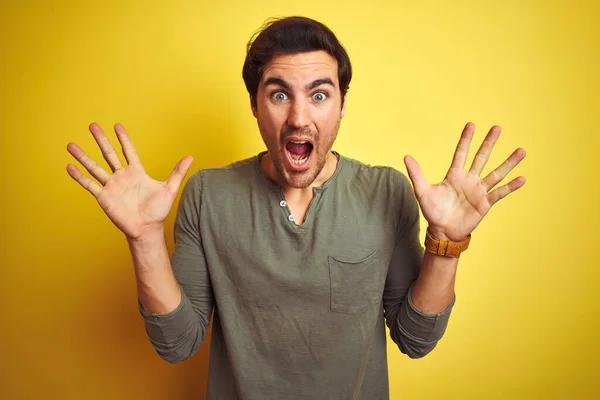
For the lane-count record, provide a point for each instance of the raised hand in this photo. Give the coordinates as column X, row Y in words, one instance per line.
column 133, row 201
column 454, row 207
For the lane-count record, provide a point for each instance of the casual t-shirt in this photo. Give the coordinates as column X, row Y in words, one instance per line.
column 299, row 310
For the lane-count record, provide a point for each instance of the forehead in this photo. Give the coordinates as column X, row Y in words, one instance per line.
column 299, row 68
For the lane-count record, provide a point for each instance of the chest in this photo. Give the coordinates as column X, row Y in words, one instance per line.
column 337, row 259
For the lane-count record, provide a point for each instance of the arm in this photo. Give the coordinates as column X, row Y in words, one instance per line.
column 415, row 331
column 158, row 290
column 176, row 331
column 454, row 208
column 433, row 291
column 176, row 320
column 419, row 293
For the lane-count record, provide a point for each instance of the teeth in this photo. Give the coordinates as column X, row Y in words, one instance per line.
column 293, row 141
column 301, row 161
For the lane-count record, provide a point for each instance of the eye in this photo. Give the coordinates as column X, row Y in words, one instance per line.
column 279, row 96
column 319, row 97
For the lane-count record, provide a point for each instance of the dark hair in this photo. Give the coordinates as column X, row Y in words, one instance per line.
column 288, row 36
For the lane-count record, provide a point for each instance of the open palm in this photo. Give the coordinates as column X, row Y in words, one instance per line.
column 454, row 207
column 132, row 200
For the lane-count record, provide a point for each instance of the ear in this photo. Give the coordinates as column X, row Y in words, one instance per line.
column 253, row 107
column 344, row 105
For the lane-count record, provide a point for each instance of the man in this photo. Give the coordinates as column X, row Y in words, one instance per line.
column 302, row 254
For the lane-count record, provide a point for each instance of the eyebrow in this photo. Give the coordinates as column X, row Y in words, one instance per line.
column 310, row 86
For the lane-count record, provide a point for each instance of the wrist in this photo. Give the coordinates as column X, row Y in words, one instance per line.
column 443, row 246
column 440, row 233
column 437, row 233
column 150, row 237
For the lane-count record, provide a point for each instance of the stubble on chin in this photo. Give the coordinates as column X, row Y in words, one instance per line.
column 297, row 180
column 305, row 179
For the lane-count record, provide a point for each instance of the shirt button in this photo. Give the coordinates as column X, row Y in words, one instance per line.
column 291, row 218
column 282, row 203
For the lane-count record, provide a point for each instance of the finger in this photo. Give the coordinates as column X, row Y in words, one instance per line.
column 505, row 190
column 494, row 177
column 108, row 151
column 179, row 172
column 84, row 181
column 483, row 154
column 462, row 149
column 416, row 176
column 128, row 149
column 92, row 166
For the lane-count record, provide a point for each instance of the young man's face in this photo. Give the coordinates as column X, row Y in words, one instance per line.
column 298, row 109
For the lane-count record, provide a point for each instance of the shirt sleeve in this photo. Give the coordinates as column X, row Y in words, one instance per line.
column 177, row 335
column 416, row 333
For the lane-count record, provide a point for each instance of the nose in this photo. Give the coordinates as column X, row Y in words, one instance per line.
column 299, row 114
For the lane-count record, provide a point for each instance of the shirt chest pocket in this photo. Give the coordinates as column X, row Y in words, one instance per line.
column 356, row 286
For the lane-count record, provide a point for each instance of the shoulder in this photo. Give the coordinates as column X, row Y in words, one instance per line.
column 233, row 170
column 383, row 186
column 237, row 172
column 235, row 177
column 216, row 187
column 376, row 177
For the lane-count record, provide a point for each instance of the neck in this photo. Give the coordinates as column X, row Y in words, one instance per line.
column 266, row 164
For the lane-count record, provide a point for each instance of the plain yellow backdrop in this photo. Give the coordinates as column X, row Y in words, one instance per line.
column 526, row 320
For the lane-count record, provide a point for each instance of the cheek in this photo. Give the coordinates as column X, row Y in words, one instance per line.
column 272, row 116
column 269, row 127
column 327, row 120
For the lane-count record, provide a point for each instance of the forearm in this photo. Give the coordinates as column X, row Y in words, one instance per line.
column 433, row 290
column 175, row 297
column 158, row 290
column 418, row 298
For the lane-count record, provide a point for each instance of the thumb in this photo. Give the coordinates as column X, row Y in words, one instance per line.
column 179, row 172
column 416, row 176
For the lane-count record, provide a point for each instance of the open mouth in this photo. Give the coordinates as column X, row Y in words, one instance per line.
column 298, row 153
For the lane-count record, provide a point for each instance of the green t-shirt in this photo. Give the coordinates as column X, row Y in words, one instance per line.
column 299, row 310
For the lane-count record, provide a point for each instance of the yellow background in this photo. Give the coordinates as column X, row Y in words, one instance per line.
column 526, row 321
